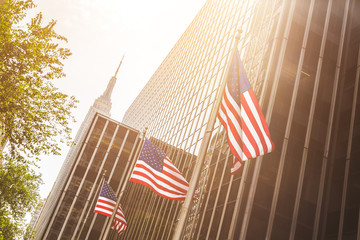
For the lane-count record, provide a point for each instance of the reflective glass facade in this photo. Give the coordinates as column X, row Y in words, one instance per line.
column 303, row 60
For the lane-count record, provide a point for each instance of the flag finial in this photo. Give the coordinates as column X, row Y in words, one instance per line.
column 145, row 131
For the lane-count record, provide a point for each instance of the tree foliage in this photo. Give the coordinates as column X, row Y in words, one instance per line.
column 33, row 112
column 34, row 115
column 18, row 195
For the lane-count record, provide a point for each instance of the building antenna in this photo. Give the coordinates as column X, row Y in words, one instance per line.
column 119, row 65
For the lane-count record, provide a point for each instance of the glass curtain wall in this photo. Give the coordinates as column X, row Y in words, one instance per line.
column 302, row 58
column 176, row 103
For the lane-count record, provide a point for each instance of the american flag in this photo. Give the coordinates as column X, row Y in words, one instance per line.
column 106, row 204
column 119, row 222
column 155, row 170
column 240, row 114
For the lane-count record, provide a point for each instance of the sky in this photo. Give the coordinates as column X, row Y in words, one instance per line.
column 99, row 33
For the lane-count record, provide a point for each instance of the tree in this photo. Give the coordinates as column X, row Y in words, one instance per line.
column 18, row 195
column 34, row 115
column 33, row 112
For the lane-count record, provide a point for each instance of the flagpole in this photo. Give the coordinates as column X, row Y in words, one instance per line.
column 92, row 203
column 203, row 148
column 121, row 193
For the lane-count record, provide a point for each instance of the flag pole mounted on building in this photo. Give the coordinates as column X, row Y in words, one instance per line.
column 203, row 148
column 101, row 182
column 107, row 230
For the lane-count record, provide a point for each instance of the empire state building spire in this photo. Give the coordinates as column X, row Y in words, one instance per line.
column 103, row 103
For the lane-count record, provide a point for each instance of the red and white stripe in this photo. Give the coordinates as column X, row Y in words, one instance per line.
column 120, row 224
column 105, row 206
column 248, row 134
column 120, row 227
column 169, row 183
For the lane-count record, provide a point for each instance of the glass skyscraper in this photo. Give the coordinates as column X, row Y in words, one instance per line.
column 302, row 58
